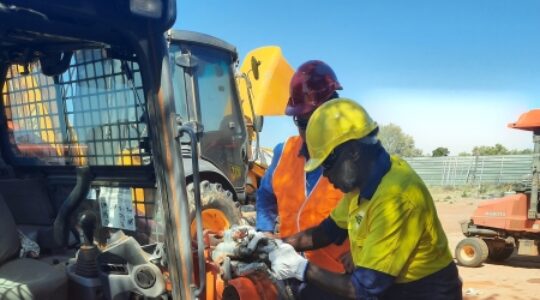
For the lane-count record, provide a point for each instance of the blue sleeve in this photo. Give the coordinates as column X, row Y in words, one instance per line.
column 266, row 203
column 369, row 283
column 333, row 230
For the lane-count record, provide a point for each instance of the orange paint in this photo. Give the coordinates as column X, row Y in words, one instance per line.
column 508, row 213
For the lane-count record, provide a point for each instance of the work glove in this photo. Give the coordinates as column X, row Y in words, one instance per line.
column 238, row 242
column 287, row 263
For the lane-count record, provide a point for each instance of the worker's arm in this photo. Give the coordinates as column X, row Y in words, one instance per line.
column 266, row 204
column 339, row 284
column 361, row 284
column 333, row 229
column 317, row 237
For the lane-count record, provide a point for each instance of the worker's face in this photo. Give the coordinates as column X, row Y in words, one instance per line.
column 346, row 168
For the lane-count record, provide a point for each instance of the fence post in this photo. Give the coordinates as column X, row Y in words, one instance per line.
column 500, row 170
column 455, row 171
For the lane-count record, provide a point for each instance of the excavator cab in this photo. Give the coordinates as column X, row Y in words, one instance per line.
column 226, row 105
column 206, row 96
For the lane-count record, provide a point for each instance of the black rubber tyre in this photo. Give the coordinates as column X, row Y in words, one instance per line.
column 472, row 252
column 214, row 198
column 499, row 251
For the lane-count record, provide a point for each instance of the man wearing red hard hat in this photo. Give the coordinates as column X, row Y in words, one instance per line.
column 302, row 199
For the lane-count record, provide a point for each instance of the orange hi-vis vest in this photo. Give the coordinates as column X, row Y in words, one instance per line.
column 299, row 211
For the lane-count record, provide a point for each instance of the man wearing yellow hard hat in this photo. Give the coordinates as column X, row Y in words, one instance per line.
column 399, row 248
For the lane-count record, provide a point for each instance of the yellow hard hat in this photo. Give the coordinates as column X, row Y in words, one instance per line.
column 332, row 124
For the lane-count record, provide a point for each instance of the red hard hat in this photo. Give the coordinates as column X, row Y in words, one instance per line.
column 311, row 85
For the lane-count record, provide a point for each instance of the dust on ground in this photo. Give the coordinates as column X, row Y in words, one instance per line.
column 517, row 278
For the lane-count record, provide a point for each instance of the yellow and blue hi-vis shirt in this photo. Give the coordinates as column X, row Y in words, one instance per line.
column 397, row 231
column 395, row 234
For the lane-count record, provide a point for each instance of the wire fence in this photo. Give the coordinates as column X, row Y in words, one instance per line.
column 473, row 170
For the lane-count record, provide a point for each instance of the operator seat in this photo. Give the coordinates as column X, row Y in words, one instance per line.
column 25, row 278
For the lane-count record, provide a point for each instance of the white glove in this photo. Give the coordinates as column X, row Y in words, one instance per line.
column 287, row 263
column 257, row 237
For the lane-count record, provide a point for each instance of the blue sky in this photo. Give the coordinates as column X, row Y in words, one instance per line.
column 450, row 73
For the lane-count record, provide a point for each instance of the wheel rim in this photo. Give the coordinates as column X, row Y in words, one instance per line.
column 212, row 219
column 467, row 253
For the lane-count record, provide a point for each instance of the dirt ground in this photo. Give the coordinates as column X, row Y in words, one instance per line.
column 517, row 278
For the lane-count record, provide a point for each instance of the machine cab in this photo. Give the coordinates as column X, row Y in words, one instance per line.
column 90, row 171
column 205, row 92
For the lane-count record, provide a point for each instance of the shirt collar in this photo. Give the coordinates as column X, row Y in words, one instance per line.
column 380, row 168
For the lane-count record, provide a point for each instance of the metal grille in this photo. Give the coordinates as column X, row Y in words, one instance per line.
column 90, row 114
column 473, row 170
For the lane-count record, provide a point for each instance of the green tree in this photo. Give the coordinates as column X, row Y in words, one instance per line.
column 395, row 141
column 440, row 151
column 498, row 149
column 524, row 151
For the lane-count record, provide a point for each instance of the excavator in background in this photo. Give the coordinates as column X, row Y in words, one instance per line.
column 226, row 108
column 500, row 226
column 226, row 105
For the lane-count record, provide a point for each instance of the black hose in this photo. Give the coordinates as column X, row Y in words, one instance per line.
column 79, row 193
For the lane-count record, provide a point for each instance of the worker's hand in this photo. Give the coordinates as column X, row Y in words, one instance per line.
column 347, row 262
column 287, row 263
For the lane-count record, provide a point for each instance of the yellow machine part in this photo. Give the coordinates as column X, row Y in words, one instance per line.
column 41, row 110
column 271, row 90
column 37, row 108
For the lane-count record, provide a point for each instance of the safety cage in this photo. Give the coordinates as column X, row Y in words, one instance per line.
column 92, row 114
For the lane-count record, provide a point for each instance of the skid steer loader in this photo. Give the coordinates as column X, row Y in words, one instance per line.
column 93, row 190
column 93, row 197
